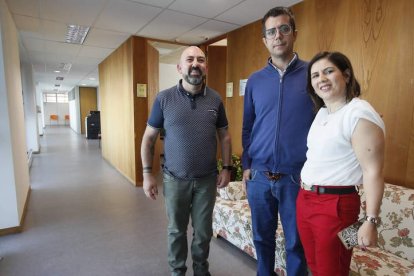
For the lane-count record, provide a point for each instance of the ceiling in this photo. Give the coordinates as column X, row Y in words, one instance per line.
column 42, row 27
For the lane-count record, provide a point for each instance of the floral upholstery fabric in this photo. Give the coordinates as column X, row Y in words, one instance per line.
column 395, row 252
column 234, row 191
column 393, row 256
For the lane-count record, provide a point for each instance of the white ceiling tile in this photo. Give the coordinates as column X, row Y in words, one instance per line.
column 62, row 48
column 157, row 3
column 39, row 67
column 94, row 52
column 250, row 11
column 24, row 7
column 33, row 44
column 127, row 17
column 170, row 24
column 208, row 30
column 80, row 12
column 105, row 39
column 54, row 31
column 208, row 8
column 42, row 26
column 29, row 26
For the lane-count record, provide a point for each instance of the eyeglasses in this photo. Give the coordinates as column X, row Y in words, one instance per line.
column 284, row 29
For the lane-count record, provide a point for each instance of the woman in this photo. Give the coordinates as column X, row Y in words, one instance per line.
column 345, row 149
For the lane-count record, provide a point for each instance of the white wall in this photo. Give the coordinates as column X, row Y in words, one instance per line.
column 60, row 109
column 30, row 113
column 168, row 76
column 14, row 171
column 74, row 111
column 39, row 107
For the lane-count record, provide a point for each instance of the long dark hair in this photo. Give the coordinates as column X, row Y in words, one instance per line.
column 353, row 89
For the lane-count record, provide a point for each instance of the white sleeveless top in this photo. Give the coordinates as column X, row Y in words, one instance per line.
column 331, row 160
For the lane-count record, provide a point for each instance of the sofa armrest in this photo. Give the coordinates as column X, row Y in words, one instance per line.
column 234, row 191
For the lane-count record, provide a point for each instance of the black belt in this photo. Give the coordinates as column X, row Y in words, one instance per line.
column 326, row 190
column 273, row 176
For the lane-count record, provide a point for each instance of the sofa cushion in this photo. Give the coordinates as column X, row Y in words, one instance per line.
column 232, row 221
column 233, row 191
column 376, row 261
column 396, row 227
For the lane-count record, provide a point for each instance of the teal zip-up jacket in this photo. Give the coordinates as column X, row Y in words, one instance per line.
column 278, row 113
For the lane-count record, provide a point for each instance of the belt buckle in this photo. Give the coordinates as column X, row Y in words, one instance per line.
column 273, row 176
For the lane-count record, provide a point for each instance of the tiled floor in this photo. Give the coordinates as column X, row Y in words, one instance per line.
column 84, row 218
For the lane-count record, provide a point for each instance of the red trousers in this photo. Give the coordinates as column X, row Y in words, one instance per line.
column 320, row 217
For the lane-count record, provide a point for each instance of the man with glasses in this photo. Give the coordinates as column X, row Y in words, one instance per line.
column 276, row 120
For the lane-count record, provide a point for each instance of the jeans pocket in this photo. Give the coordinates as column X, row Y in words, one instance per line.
column 253, row 174
column 295, row 178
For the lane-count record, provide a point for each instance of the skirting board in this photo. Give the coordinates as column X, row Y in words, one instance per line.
column 17, row 229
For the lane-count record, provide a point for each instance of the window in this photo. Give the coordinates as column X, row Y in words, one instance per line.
column 62, row 98
column 55, row 98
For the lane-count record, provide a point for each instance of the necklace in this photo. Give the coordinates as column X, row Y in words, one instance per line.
column 329, row 115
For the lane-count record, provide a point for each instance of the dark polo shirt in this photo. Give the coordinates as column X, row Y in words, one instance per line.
column 190, row 123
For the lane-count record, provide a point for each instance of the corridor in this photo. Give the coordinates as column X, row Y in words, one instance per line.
column 85, row 218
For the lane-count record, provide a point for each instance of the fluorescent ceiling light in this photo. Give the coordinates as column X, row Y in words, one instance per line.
column 76, row 34
column 57, row 71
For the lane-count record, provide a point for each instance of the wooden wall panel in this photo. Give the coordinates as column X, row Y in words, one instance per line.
column 88, row 100
column 117, row 109
column 377, row 36
column 246, row 53
column 216, row 74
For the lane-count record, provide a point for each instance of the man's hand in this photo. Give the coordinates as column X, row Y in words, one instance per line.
column 150, row 186
column 223, row 179
column 246, row 177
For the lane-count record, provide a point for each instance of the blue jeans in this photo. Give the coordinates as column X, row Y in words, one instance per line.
column 185, row 199
column 267, row 198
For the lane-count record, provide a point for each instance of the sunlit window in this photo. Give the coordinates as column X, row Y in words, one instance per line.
column 55, row 98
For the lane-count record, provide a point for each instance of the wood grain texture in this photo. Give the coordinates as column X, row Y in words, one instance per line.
column 88, row 101
column 117, row 109
column 377, row 36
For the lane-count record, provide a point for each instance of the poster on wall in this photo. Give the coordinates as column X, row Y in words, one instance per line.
column 141, row 90
column 229, row 90
column 242, row 87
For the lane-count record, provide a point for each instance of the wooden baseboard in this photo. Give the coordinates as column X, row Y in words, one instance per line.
column 17, row 229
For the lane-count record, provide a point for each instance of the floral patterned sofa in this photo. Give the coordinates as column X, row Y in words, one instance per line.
column 393, row 256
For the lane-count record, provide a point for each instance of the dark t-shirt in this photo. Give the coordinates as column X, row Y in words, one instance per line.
column 190, row 123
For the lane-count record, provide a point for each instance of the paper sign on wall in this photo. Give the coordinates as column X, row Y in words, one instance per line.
column 229, row 89
column 142, row 90
column 242, row 87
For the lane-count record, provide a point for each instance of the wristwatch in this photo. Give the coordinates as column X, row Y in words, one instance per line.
column 229, row 167
column 372, row 220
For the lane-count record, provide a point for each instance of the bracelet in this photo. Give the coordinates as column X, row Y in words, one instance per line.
column 147, row 170
column 229, row 167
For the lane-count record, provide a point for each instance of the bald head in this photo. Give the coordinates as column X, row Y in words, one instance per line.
column 193, row 68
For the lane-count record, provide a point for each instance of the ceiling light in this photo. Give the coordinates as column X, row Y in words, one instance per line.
column 76, row 34
column 92, row 79
column 57, row 71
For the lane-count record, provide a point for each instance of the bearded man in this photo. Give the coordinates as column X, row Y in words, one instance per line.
column 192, row 116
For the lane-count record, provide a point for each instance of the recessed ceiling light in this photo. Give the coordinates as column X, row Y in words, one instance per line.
column 76, row 34
column 83, row 84
column 92, row 78
column 57, row 71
